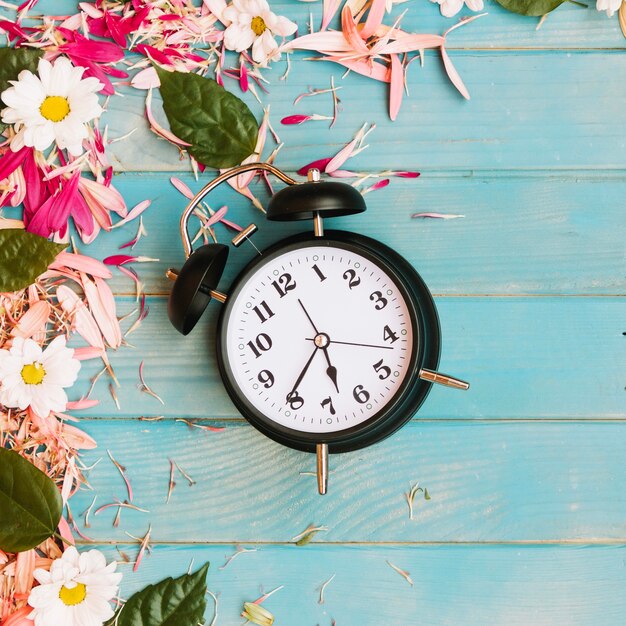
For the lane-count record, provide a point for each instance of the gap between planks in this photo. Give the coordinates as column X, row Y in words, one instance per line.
column 422, row 420
column 515, row 542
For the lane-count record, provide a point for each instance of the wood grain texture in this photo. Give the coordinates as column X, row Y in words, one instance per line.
column 520, row 235
column 525, row 357
column 536, row 110
column 568, row 28
column 487, row 482
column 474, row 586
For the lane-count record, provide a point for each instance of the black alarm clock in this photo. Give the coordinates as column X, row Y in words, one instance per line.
column 328, row 341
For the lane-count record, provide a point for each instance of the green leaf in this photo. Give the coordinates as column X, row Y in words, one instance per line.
column 12, row 62
column 23, row 257
column 30, row 504
column 219, row 126
column 531, row 7
column 171, row 602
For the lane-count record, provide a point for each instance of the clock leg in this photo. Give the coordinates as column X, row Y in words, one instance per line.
column 443, row 379
column 322, row 468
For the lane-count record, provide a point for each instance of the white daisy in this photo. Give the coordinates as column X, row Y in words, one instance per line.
column 51, row 106
column 253, row 24
column 610, row 6
column 76, row 591
column 450, row 8
column 30, row 376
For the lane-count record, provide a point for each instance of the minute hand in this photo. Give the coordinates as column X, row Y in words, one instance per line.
column 351, row 343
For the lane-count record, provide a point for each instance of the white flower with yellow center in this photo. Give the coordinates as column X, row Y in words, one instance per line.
column 253, row 24
column 76, row 591
column 53, row 105
column 30, row 376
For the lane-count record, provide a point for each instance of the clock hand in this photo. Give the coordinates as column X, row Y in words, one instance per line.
column 317, row 332
column 302, row 373
column 350, row 343
column 331, row 370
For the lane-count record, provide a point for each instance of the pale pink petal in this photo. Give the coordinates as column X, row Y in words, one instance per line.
column 411, row 42
column 396, row 88
column 374, row 18
column 102, row 306
column 81, row 263
column 329, row 10
column 135, row 212
column 453, row 74
column 85, row 353
column 33, row 321
column 84, row 322
column 76, row 438
column 372, row 69
column 146, row 79
column 157, row 128
column 182, row 187
column 329, row 42
column 24, row 568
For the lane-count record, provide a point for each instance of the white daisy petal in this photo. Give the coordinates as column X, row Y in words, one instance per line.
column 52, row 105
column 75, row 600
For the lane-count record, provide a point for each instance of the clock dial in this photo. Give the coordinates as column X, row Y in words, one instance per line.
column 319, row 339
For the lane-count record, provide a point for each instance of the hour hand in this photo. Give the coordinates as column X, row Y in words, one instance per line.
column 331, row 370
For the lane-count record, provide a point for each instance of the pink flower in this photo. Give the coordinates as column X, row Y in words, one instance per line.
column 53, row 215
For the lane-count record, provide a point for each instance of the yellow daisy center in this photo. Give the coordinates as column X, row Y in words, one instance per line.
column 55, row 108
column 33, row 373
column 258, row 25
column 73, row 596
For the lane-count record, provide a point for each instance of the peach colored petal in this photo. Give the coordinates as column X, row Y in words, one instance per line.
column 102, row 306
column 396, row 88
column 374, row 18
column 84, row 323
column 33, row 321
column 24, row 568
column 81, row 263
column 76, row 438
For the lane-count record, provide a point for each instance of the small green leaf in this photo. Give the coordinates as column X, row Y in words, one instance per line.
column 531, row 7
column 12, row 62
column 426, row 495
column 23, row 257
column 171, row 602
column 219, row 126
column 30, row 504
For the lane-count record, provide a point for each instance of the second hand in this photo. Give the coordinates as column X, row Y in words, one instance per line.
column 350, row 343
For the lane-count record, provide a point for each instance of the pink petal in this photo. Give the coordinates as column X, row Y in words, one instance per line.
column 329, row 10
column 182, row 187
column 329, row 42
column 146, row 79
column 84, row 322
column 411, row 42
column 320, row 165
column 33, row 321
column 24, row 568
column 10, row 161
column 453, row 74
column 351, row 33
column 372, row 69
column 135, row 212
column 85, row 353
column 396, row 88
column 157, row 128
column 81, row 263
column 243, row 77
column 102, row 306
column 75, row 437
column 374, row 18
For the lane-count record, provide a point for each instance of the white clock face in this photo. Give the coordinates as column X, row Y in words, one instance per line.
column 319, row 339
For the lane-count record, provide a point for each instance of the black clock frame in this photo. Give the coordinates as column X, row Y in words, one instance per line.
column 412, row 391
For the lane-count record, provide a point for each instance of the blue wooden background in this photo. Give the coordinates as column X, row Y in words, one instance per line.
column 527, row 518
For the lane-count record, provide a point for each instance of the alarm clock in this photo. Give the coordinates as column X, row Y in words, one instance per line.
column 328, row 341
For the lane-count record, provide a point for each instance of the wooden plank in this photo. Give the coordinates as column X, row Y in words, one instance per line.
column 569, row 27
column 525, row 357
column 541, row 585
column 487, row 483
column 520, row 235
column 534, row 110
